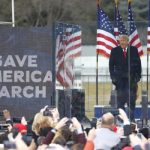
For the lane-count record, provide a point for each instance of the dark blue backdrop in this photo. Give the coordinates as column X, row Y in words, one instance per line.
column 33, row 48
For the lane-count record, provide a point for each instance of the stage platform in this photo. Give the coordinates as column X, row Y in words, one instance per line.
column 98, row 111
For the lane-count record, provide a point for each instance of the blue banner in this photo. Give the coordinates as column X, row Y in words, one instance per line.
column 25, row 70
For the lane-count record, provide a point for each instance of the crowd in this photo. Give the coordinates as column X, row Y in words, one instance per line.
column 46, row 131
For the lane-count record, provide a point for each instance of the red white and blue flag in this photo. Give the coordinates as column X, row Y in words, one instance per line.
column 134, row 39
column 105, row 34
column 68, row 47
column 119, row 27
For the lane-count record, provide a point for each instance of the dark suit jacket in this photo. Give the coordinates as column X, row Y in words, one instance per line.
column 121, row 67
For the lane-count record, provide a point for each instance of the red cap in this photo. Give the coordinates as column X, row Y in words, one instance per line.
column 21, row 128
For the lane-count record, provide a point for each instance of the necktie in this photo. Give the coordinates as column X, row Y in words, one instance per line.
column 124, row 52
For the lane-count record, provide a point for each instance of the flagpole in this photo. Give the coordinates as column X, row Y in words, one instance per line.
column 147, row 51
column 97, row 68
column 53, row 97
column 96, row 79
column 147, row 72
column 13, row 13
column 129, row 69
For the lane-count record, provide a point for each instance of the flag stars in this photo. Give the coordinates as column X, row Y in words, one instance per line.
column 103, row 21
column 119, row 24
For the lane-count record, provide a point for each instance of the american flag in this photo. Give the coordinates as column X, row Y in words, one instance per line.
column 148, row 31
column 119, row 27
column 68, row 46
column 133, row 33
column 105, row 34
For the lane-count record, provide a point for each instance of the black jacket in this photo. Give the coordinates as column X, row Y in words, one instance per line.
column 121, row 67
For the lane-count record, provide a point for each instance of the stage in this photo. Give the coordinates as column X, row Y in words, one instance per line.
column 98, row 111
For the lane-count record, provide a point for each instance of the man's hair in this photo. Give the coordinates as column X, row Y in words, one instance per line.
column 108, row 119
column 124, row 36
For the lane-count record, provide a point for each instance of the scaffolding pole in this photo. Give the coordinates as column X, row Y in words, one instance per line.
column 13, row 13
column 13, row 16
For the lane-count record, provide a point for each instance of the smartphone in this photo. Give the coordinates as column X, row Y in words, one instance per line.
column 48, row 111
column 94, row 122
column 50, row 108
column 17, row 120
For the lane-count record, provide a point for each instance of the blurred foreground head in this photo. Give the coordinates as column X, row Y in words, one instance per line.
column 40, row 122
column 107, row 120
column 6, row 114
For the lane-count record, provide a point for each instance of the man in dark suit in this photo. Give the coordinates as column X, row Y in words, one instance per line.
column 125, row 72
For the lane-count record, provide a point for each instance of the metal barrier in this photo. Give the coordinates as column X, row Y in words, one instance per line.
column 105, row 88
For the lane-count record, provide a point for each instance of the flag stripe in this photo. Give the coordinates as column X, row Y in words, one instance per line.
column 68, row 47
column 148, row 31
column 105, row 38
column 73, row 47
column 72, row 54
column 103, row 52
column 134, row 39
column 100, row 43
column 119, row 27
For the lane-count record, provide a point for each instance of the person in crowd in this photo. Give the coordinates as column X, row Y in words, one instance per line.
column 20, row 128
column 105, row 137
column 90, row 144
column 130, row 137
column 45, row 124
column 52, row 132
column 125, row 72
column 79, row 137
column 7, row 116
column 41, row 125
column 58, row 134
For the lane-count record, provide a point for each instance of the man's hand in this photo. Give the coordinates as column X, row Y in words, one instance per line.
column 61, row 123
column 123, row 115
column 55, row 113
column 76, row 123
column 24, row 121
column 91, row 134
